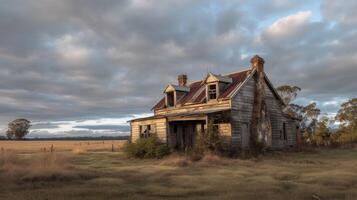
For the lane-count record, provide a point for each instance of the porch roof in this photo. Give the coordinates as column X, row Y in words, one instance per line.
column 196, row 112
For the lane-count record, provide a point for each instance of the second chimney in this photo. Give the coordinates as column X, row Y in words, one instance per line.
column 182, row 79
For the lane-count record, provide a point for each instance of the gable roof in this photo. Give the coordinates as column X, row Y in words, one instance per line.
column 214, row 77
column 197, row 90
column 171, row 87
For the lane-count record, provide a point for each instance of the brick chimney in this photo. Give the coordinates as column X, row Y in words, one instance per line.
column 257, row 63
column 182, row 79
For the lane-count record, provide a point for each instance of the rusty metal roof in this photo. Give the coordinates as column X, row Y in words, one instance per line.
column 197, row 93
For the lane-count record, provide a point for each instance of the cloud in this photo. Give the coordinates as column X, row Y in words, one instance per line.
column 122, row 128
column 288, row 25
column 73, row 61
column 342, row 13
column 69, row 49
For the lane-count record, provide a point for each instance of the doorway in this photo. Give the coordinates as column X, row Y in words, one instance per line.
column 182, row 134
column 245, row 135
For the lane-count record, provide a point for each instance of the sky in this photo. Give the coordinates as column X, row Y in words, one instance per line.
column 86, row 67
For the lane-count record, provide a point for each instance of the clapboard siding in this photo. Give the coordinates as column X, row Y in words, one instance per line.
column 224, row 129
column 160, row 125
column 242, row 108
column 277, row 118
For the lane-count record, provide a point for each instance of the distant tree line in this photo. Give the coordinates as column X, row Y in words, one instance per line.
column 315, row 127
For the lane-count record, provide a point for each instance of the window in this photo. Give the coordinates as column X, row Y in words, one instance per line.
column 175, row 128
column 212, row 91
column 147, row 130
column 284, row 131
column 215, row 126
column 170, row 98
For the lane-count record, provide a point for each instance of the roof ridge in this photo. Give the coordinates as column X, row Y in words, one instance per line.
column 192, row 82
column 236, row 72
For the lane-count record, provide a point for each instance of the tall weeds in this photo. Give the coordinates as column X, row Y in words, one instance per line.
column 41, row 167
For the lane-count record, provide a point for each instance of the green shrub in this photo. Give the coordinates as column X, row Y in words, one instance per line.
column 149, row 147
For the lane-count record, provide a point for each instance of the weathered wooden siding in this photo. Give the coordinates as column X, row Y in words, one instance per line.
column 292, row 132
column 277, row 120
column 242, row 108
column 224, row 129
column 194, row 107
column 160, row 125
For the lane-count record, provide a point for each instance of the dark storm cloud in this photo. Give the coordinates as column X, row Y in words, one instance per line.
column 73, row 60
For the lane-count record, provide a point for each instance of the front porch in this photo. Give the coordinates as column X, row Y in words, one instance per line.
column 182, row 130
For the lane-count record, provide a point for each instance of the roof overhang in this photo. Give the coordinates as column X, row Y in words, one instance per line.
column 217, row 78
column 171, row 88
column 183, row 114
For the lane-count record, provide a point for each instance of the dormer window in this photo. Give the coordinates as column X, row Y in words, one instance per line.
column 215, row 85
column 212, row 91
column 173, row 94
column 170, row 99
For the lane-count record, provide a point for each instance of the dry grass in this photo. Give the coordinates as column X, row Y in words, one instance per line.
column 208, row 160
column 61, row 146
column 176, row 161
column 102, row 174
column 39, row 167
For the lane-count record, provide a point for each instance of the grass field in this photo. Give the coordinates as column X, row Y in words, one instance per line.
column 82, row 170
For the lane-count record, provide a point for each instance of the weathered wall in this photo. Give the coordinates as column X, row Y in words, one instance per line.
column 242, row 108
column 277, row 119
column 224, row 129
column 160, row 125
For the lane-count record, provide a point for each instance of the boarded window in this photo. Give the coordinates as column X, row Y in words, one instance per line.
column 170, row 99
column 212, row 91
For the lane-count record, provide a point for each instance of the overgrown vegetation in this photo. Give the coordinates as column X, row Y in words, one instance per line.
column 149, row 147
column 316, row 129
column 211, row 142
column 102, row 174
column 41, row 167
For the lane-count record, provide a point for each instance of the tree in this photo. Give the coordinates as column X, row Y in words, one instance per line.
column 308, row 114
column 321, row 136
column 288, row 93
column 18, row 128
column 347, row 116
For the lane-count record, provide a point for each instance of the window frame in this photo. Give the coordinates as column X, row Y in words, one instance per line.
column 212, row 91
column 168, row 100
column 285, row 136
column 147, row 130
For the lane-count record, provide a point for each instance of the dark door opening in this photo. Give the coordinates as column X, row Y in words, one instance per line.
column 182, row 134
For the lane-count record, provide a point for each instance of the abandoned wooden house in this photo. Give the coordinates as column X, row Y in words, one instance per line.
column 239, row 106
